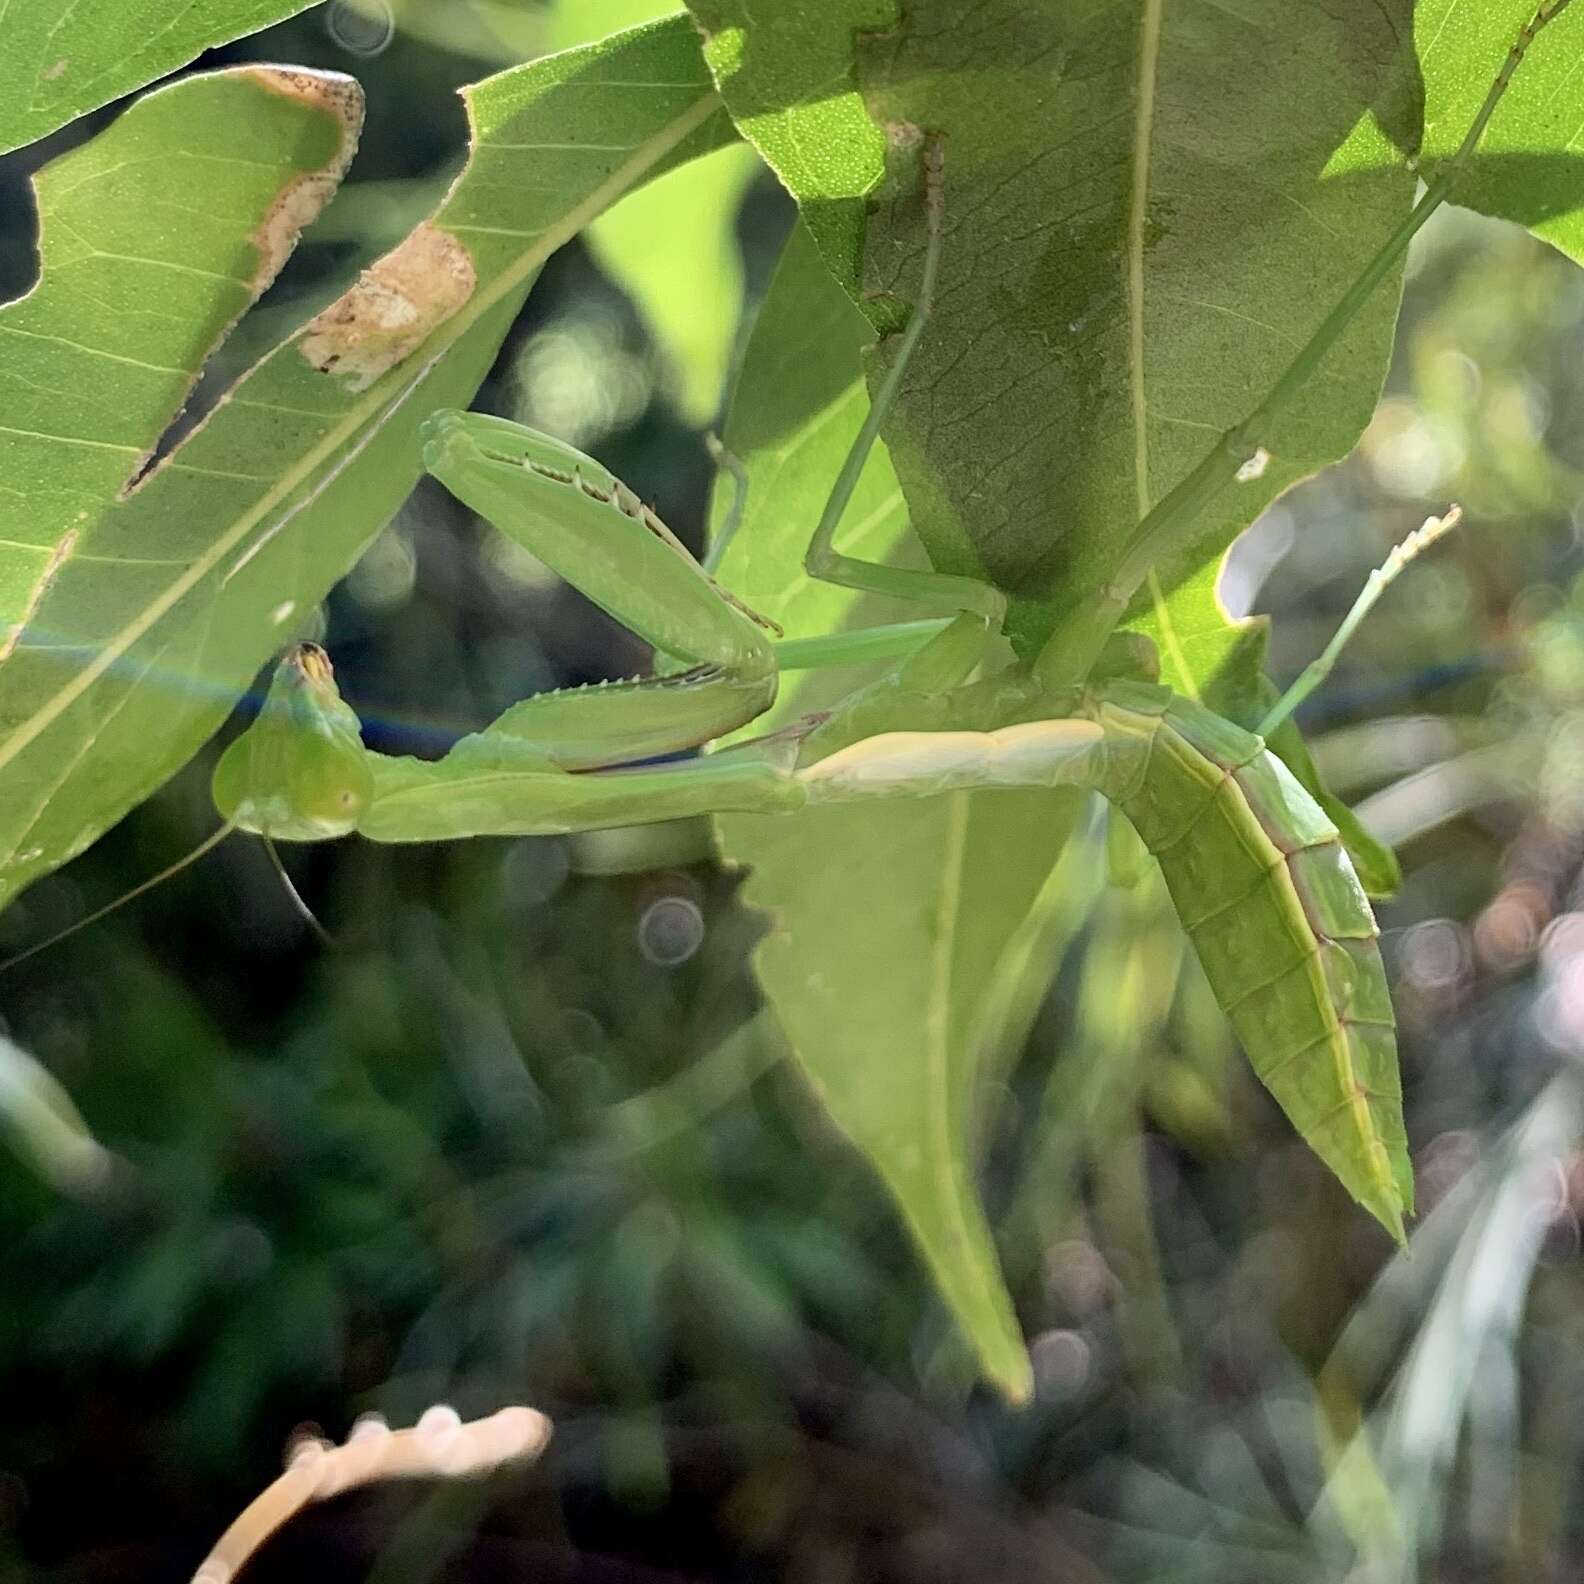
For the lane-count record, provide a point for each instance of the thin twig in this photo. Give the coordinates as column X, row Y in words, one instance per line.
column 1171, row 524
column 439, row 1446
column 1375, row 585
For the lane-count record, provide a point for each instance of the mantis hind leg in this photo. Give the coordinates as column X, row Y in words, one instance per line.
column 822, row 560
column 934, row 658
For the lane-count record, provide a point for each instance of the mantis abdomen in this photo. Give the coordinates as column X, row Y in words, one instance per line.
column 1258, row 875
column 1268, row 895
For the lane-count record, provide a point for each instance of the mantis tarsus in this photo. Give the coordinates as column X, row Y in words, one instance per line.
column 1256, row 871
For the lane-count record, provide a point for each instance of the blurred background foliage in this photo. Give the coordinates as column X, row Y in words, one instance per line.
column 526, row 1136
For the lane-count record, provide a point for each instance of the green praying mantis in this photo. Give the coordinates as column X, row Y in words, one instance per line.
column 1257, row 872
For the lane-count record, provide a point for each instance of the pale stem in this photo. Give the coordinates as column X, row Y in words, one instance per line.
column 439, row 1446
column 1375, row 585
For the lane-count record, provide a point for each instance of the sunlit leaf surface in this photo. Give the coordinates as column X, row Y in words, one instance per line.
column 162, row 599
column 1124, row 236
column 58, row 60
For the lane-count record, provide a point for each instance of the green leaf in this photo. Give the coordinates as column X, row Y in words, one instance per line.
column 786, row 73
column 890, row 925
column 150, row 605
column 61, row 60
column 894, row 961
column 1527, row 167
column 151, row 247
column 672, row 245
column 1125, row 272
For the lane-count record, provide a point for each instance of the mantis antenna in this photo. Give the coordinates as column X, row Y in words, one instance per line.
column 207, row 845
column 170, row 871
column 304, row 912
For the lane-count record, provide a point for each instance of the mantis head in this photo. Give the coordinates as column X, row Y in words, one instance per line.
column 300, row 771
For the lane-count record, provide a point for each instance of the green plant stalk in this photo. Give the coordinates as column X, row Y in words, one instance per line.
column 1168, row 527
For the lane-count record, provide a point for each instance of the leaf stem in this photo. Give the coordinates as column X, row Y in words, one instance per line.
column 1168, row 527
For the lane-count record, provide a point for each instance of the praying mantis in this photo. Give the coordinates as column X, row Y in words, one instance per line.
column 1257, row 872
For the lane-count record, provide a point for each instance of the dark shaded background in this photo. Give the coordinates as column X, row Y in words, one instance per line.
column 521, row 1139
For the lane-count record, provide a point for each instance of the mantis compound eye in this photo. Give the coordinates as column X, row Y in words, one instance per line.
column 312, row 664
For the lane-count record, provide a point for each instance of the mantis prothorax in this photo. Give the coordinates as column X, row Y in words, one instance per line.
column 1258, row 874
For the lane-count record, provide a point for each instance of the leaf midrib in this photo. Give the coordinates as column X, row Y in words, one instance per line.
column 1138, row 209
column 943, row 1095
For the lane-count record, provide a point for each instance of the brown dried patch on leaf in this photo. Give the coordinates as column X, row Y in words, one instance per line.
column 395, row 305
column 299, row 204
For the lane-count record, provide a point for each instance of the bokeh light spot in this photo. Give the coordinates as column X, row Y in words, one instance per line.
column 670, row 930
column 1062, row 1362
column 360, row 27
